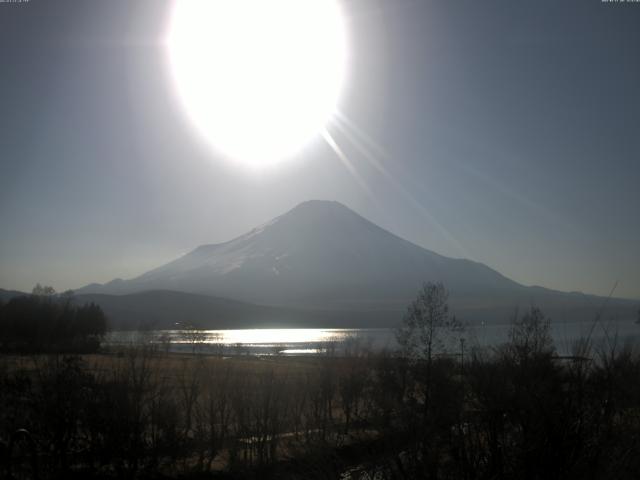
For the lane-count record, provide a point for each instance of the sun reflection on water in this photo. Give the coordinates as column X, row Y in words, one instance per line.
column 258, row 341
column 275, row 336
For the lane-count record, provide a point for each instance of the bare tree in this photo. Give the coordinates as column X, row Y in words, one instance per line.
column 196, row 336
column 43, row 291
column 530, row 335
column 427, row 323
column 165, row 342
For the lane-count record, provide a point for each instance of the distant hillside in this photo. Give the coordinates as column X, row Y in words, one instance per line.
column 6, row 295
column 164, row 309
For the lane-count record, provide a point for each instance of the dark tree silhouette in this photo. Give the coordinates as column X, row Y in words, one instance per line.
column 427, row 323
column 45, row 322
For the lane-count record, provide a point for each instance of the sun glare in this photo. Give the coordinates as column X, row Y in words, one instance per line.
column 258, row 78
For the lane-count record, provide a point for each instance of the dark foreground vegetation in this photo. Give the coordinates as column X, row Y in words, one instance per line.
column 47, row 322
column 518, row 411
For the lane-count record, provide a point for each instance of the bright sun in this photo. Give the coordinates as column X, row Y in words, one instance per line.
column 259, row 78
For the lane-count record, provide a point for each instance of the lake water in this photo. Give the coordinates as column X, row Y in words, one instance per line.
column 313, row 341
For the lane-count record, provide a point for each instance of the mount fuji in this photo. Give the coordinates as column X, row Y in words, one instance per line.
column 322, row 256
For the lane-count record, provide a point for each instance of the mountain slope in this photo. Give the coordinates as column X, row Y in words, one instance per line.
column 322, row 255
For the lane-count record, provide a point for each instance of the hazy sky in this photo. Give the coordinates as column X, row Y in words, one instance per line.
column 511, row 132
